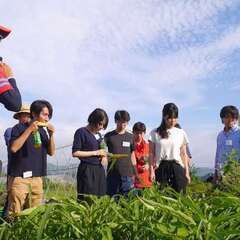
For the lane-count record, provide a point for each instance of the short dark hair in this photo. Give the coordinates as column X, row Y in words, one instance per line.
column 139, row 127
column 98, row 116
column 122, row 115
column 38, row 105
column 229, row 111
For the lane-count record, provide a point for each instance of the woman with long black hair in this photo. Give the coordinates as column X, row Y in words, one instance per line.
column 168, row 155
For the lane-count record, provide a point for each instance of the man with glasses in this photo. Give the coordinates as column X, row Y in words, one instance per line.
column 10, row 96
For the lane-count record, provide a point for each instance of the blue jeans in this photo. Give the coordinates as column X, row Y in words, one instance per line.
column 117, row 184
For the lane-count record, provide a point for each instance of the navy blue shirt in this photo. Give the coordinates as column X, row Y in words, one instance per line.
column 7, row 137
column 84, row 140
column 28, row 158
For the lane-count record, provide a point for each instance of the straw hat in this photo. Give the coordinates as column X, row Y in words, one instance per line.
column 24, row 109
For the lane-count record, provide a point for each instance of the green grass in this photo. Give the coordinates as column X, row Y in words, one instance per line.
column 205, row 212
column 59, row 190
column 153, row 215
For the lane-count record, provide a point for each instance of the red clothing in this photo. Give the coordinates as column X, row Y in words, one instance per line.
column 142, row 153
column 4, row 83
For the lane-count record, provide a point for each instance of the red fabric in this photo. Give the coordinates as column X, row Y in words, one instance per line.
column 4, row 83
column 141, row 151
column 5, row 88
column 2, row 74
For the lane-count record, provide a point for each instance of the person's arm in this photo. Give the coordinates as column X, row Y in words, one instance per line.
column 189, row 154
column 7, row 136
column 146, row 158
column 51, row 145
column 217, row 161
column 151, row 160
column 18, row 142
column 84, row 154
column 133, row 158
column 10, row 97
column 134, row 164
column 184, row 158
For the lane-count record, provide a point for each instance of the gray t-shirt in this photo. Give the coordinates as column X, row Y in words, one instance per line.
column 121, row 144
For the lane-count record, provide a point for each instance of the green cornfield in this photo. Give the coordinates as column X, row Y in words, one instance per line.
column 205, row 212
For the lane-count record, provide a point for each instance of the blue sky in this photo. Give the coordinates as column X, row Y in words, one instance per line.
column 135, row 55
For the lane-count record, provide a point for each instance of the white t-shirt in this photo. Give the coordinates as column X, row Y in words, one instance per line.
column 169, row 148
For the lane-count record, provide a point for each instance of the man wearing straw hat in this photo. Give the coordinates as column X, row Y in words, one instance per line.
column 10, row 96
column 23, row 116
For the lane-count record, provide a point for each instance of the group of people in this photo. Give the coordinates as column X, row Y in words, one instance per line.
column 112, row 164
column 163, row 157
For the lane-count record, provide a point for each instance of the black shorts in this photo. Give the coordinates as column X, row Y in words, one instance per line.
column 173, row 174
column 91, row 179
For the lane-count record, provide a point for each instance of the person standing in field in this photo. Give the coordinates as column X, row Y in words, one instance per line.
column 23, row 116
column 228, row 139
column 91, row 178
column 28, row 162
column 121, row 141
column 10, row 96
column 142, row 156
column 168, row 152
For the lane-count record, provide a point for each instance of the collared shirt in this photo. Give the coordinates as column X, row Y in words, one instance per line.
column 28, row 158
column 226, row 143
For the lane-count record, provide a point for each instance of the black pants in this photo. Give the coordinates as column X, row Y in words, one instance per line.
column 11, row 99
column 91, row 179
column 173, row 174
